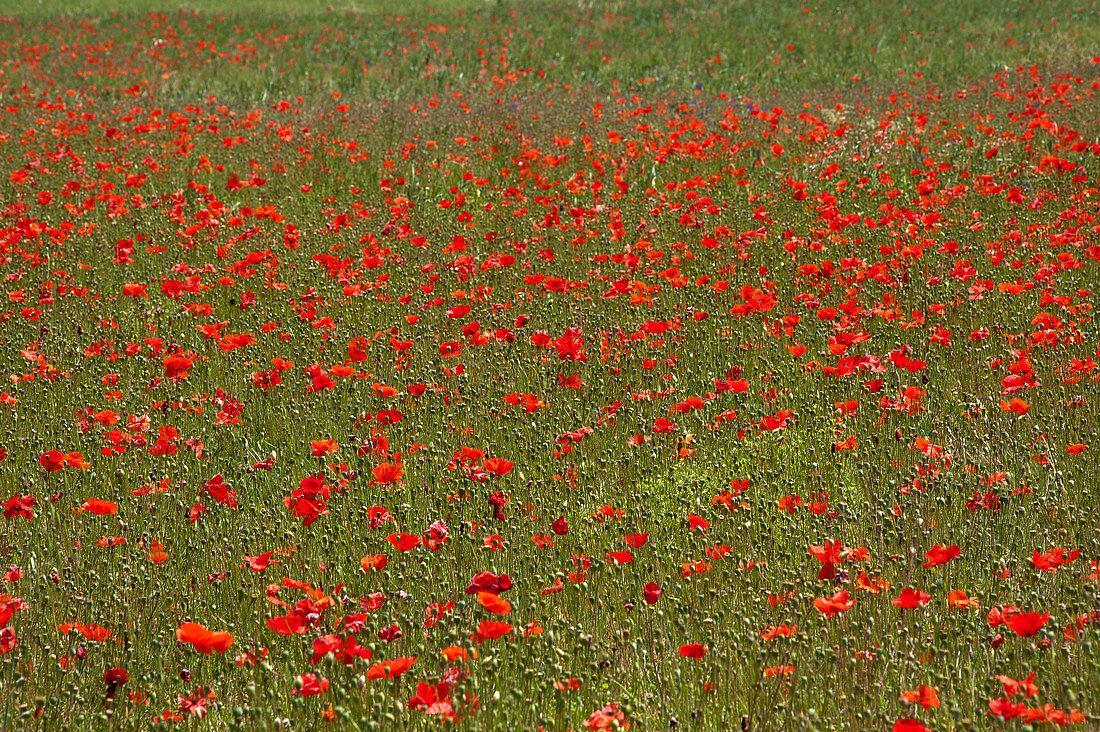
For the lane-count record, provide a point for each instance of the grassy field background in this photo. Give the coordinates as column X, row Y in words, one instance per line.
column 755, row 304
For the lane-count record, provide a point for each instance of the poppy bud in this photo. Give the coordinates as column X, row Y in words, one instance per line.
column 998, row 641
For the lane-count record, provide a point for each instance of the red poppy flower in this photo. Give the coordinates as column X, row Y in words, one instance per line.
column 311, row 685
column 910, row 598
column 1027, row 624
column 259, row 563
column 450, row 349
column 1051, row 560
column 19, row 505
column 320, row 448
column 490, row 630
column 204, row 640
column 386, row 473
column 698, row 522
column 553, row 589
column 177, row 367
column 909, row 725
column 693, row 650
column 926, row 696
column 998, row 615
column 494, row 603
column 1007, row 708
column 830, row 554
column 390, row 669
column 838, row 603
column 489, row 582
column 115, row 676
column 498, row 466
column 217, row 490
column 636, row 541
column 433, row 699
column 374, row 561
column 939, row 554
column 1014, row 687
column 652, row 592
column 52, row 460
column 92, row 631
column 99, row 508
column 404, row 542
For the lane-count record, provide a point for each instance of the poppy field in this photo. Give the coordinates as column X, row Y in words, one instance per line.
column 651, row 365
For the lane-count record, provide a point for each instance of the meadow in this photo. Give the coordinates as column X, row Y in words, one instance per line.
column 651, row 365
